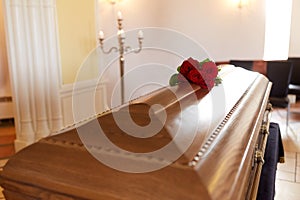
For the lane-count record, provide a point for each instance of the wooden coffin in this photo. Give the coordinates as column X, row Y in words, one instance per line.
column 201, row 145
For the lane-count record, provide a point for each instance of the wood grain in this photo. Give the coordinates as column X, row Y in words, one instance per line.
column 224, row 124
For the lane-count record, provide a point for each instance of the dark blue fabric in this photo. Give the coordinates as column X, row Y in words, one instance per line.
column 274, row 150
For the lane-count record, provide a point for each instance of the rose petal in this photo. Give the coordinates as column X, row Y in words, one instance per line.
column 188, row 65
column 195, row 76
column 209, row 68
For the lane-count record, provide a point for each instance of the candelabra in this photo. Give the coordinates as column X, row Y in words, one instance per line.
column 122, row 49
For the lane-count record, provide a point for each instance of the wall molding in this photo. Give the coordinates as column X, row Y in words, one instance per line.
column 80, row 92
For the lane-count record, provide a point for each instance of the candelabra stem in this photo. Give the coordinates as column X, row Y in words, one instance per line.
column 122, row 62
column 122, row 49
column 121, row 58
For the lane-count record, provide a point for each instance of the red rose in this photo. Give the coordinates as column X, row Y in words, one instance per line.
column 202, row 84
column 209, row 70
column 195, row 76
column 188, row 65
column 209, row 84
column 203, row 74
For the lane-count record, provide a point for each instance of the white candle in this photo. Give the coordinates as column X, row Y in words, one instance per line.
column 101, row 35
column 120, row 17
column 140, row 34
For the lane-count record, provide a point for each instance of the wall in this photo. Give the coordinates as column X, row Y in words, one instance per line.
column 295, row 30
column 220, row 26
column 223, row 29
column 77, row 36
column 6, row 105
column 136, row 14
column 5, row 89
column 85, row 102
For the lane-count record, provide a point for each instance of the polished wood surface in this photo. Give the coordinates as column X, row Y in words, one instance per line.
column 216, row 165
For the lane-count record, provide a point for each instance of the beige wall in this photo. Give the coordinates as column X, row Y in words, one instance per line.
column 223, row 29
column 295, row 30
column 5, row 89
column 77, row 36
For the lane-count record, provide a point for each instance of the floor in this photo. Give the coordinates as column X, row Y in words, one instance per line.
column 288, row 173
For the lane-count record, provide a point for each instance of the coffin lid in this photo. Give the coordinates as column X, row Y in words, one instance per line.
column 201, row 142
column 185, row 117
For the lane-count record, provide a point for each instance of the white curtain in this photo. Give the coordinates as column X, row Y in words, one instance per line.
column 33, row 53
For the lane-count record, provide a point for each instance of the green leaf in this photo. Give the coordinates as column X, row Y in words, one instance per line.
column 204, row 61
column 178, row 68
column 218, row 80
column 173, row 80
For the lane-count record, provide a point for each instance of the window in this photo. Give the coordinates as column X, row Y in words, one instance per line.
column 277, row 29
